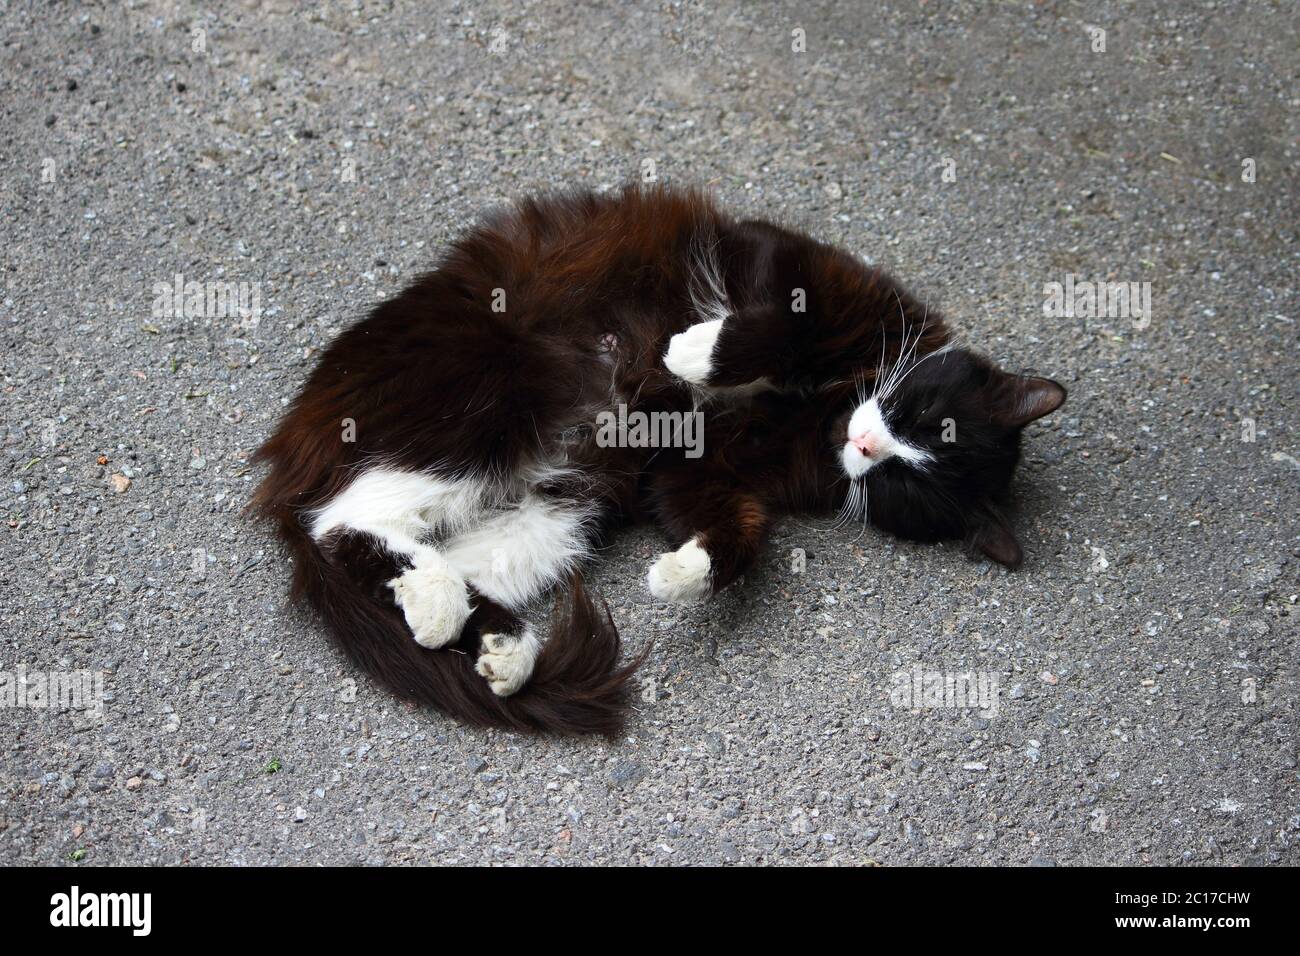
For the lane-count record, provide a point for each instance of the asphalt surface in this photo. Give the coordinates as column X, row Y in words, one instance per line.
column 1145, row 655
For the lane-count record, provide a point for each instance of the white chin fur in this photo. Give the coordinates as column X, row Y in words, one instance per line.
column 681, row 576
column 690, row 353
column 868, row 418
column 855, row 463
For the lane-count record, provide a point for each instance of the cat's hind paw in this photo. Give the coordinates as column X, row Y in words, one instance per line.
column 507, row 661
column 690, row 353
column 433, row 599
column 681, row 576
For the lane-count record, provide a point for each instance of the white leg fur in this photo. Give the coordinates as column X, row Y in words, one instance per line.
column 511, row 555
column 432, row 597
column 690, row 353
column 507, row 661
column 398, row 508
column 681, row 576
column 519, row 553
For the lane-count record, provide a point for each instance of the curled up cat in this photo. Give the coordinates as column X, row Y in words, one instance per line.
column 451, row 458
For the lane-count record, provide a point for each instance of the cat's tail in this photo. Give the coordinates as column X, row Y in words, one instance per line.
column 577, row 686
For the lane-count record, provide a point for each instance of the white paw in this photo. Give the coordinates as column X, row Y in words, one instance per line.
column 690, row 353
column 681, row 576
column 432, row 596
column 507, row 661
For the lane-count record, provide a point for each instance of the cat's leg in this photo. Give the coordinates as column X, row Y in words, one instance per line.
column 509, row 560
column 399, row 509
column 775, row 345
column 433, row 599
column 508, row 647
column 751, row 347
column 727, row 532
column 521, row 551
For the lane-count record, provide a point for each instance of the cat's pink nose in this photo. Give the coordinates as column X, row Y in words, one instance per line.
column 865, row 443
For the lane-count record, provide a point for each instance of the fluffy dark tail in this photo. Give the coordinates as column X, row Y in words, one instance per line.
column 577, row 686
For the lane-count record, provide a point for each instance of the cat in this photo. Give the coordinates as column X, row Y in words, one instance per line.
column 476, row 479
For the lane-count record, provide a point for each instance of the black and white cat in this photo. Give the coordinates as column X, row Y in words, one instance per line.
column 478, row 479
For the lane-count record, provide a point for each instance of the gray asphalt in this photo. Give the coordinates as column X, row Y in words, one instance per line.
column 1145, row 655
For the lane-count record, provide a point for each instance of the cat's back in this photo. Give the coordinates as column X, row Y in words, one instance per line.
column 556, row 250
column 533, row 318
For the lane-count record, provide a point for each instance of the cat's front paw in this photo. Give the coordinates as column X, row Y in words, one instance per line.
column 433, row 599
column 681, row 576
column 507, row 661
column 690, row 353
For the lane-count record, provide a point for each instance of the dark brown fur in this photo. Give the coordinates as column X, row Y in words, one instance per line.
column 435, row 379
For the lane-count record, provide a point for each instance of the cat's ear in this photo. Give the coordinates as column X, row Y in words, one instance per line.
column 991, row 536
column 1025, row 398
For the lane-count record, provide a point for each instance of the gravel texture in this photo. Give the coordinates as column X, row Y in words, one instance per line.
column 1145, row 656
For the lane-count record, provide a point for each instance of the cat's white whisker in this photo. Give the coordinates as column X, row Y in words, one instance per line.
column 902, row 346
column 903, row 366
column 848, row 509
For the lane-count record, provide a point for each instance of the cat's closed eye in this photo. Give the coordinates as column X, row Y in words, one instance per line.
column 927, row 419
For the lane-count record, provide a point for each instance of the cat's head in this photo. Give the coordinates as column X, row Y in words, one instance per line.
column 932, row 451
